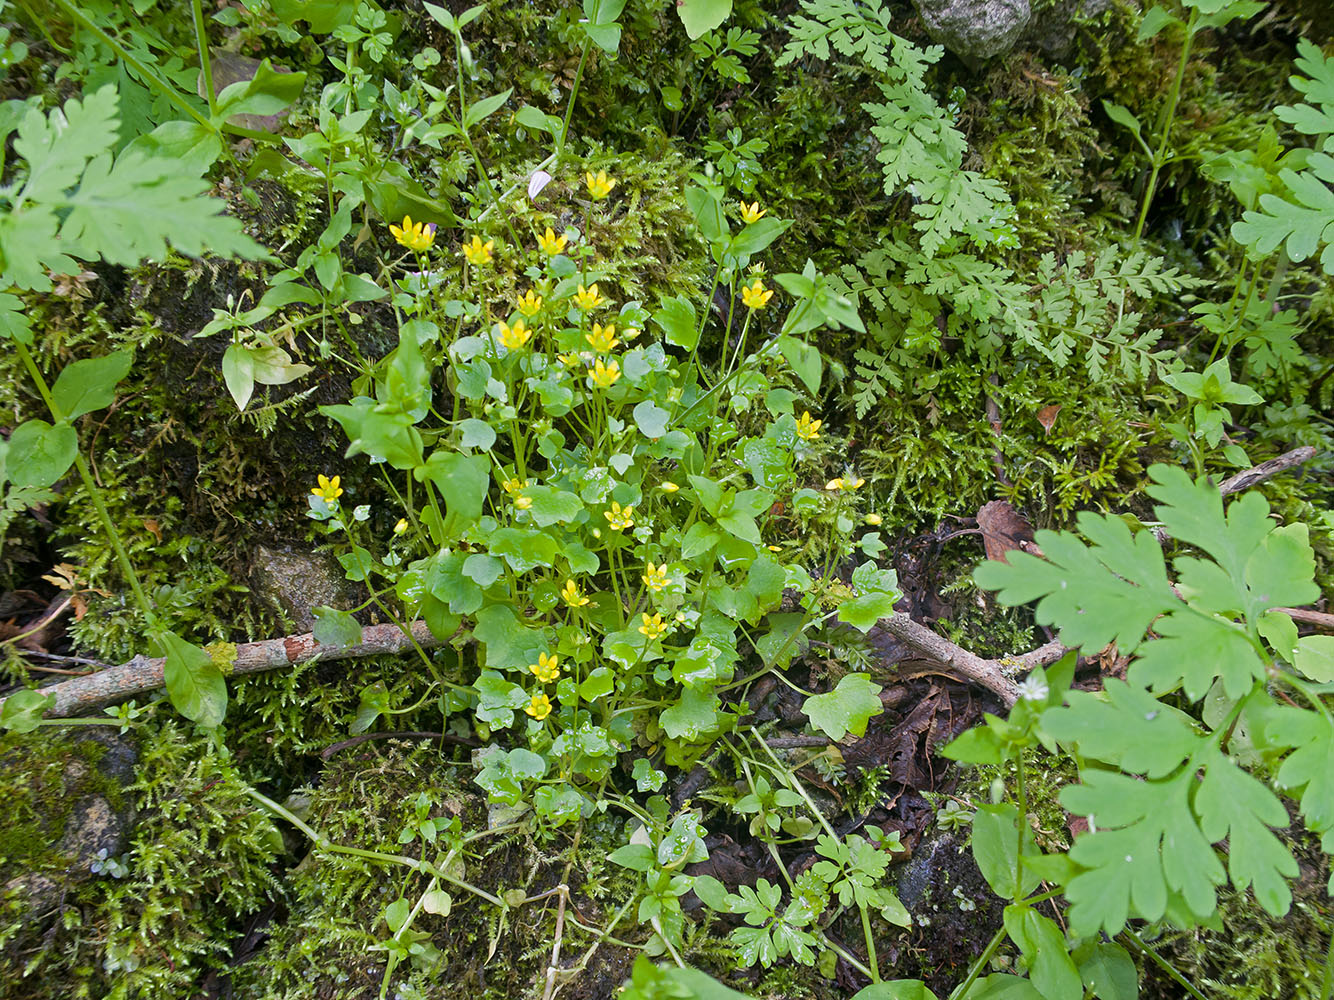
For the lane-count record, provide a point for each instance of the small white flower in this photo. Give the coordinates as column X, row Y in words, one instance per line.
column 1033, row 688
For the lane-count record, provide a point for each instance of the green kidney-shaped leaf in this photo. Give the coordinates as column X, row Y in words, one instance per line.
column 336, row 628
column 23, row 710
column 40, row 453
column 847, row 708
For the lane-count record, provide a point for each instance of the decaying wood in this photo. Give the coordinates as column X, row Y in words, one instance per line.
column 1247, row 478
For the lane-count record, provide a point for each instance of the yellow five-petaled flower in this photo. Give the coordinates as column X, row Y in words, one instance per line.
column 655, row 577
column 328, row 490
column 605, row 376
column 515, row 337
column 477, row 252
column 512, row 486
column 603, row 338
column 530, row 305
column 847, row 485
column 402, row 526
column 752, row 213
column 653, row 627
column 619, row 518
column 570, row 594
column 755, row 295
column 588, row 298
column 414, row 235
column 539, row 707
column 547, row 668
column 599, row 184
column 523, row 503
column 551, row 244
column 808, row 429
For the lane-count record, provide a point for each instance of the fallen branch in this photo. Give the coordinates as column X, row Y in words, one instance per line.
column 144, row 673
column 1247, row 478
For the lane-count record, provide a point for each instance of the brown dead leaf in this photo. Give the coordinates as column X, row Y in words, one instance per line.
column 1004, row 530
column 1047, row 416
column 153, row 528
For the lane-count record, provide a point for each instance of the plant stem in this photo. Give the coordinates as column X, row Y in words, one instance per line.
column 205, row 60
column 978, row 965
column 574, row 92
column 1169, row 115
column 94, row 493
column 1163, row 964
column 870, row 944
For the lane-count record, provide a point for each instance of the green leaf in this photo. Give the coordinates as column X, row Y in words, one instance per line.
column 463, row 482
column 700, row 16
column 373, row 703
column 803, row 359
column 1125, row 726
column 40, row 453
column 336, row 628
column 676, row 317
column 266, row 93
column 846, row 709
column 90, row 384
column 1050, row 968
column 693, row 716
column 996, row 850
column 23, row 710
column 552, row 506
column 1146, row 843
column 238, row 372
column 1155, row 20
column 477, row 434
column 1314, row 656
column 896, row 989
column 323, row 16
column 651, row 419
column 1001, row 986
column 479, row 111
column 636, row 857
column 194, row 682
column 1108, row 971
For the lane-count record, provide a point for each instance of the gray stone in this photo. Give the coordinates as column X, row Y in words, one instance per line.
column 78, row 819
column 297, row 581
column 1054, row 28
column 975, row 30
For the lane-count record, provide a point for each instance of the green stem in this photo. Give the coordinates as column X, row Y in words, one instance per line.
column 978, row 965
column 205, row 61
column 1162, row 963
column 1169, row 115
column 94, row 492
column 574, row 92
column 870, row 944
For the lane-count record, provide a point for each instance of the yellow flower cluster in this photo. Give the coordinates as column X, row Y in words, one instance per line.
column 570, row 594
column 755, row 295
column 515, row 337
column 603, row 338
column 599, row 185
column 547, row 668
column 328, row 490
column 655, row 577
column 477, row 252
column 551, row 244
column 414, row 235
column 653, row 627
column 619, row 518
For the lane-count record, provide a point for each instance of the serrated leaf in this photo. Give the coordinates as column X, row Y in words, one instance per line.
column 1125, row 726
column 846, row 709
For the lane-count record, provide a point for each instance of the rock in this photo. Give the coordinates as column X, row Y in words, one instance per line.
column 1055, row 28
column 975, row 30
column 66, row 815
column 297, row 581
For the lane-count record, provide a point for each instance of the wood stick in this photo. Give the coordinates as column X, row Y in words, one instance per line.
column 144, row 673
column 1247, row 478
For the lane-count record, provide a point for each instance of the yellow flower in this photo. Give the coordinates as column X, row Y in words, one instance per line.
column 872, row 519
column 516, row 336
column 655, row 577
column 512, row 486
column 571, row 595
column 847, row 485
column 752, row 213
column 808, row 429
column 631, row 333
column 523, row 503
column 414, row 235
column 477, row 252
column 653, row 627
column 547, row 668
column 539, row 707
column 551, row 244
column 669, row 487
column 775, row 548
column 605, row 376
column 530, row 305
column 599, row 186
column 603, row 338
column 401, row 527
column 755, row 295
column 568, row 360
column 328, row 490
column 619, row 517
column 588, row 298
